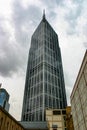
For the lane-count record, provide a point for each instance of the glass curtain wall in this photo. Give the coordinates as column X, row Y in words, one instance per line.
column 44, row 86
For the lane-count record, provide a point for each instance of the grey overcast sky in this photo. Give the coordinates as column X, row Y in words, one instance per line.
column 18, row 20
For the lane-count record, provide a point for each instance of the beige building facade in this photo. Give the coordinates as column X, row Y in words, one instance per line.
column 56, row 119
column 7, row 122
column 79, row 98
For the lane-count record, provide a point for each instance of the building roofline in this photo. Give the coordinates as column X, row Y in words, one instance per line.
column 32, row 125
column 79, row 75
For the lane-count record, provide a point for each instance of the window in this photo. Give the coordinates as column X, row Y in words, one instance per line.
column 54, row 102
column 53, row 92
column 46, row 100
column 63, row 112
column 37, row 78
column 56, row 93
column 41, row 100
column 45, row 76
column 34, row 103
column 48, row 77
column 49, row 89
column 41, row 76
column 40, row 116
column 54, row 128
column 1, row 122
column 57, row 103
column 8, row 126
column 60, row 104
column 12, row 127
column 41, row 88
column 56, row 112
column 50, row 101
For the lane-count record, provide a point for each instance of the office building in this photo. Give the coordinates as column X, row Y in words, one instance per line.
column 4, row 99
column 79, row 98
column 44, row 86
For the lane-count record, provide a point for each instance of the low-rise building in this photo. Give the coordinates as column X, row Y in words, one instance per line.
column 7, row 122
column 79, row 98
column 56, row 119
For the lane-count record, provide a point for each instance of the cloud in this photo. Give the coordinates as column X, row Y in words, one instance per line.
column 24, row 21
column 51, row 5
column 85, row 44
column 12, row 56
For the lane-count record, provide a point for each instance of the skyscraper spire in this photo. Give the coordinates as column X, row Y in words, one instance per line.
column 44, row 14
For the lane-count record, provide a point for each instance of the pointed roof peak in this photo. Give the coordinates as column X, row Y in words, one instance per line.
column 44, row 14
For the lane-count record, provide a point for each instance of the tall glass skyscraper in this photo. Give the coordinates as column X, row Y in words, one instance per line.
column 44, row 86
